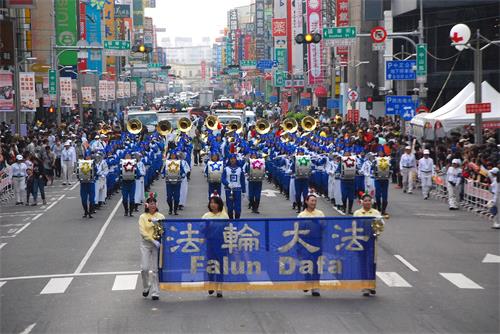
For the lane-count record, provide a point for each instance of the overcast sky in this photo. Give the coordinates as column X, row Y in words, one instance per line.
column 192, row 18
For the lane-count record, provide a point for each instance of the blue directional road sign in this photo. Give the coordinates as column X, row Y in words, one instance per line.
column 403, row 106
column 400, row 70
column 265, row 64
column 333, row 103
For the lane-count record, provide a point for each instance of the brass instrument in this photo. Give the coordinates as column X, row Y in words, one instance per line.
column 134, row 126
column 106, row 129
column 290, row 125
column 184, row 124
column 157, row 229
column 235, row 126
column 211, row 122
column 164, row 127
column 117, row 128
column 378, row 226
column 286, row 138
column 308, row 123
column 262, row 126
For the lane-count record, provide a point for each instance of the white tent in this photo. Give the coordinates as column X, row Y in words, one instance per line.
column 458, row 117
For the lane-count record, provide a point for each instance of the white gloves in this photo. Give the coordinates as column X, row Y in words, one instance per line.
column 156, row 243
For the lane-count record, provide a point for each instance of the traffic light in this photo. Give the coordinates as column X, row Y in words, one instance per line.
column 52, row 109
column 369, row 103
column 142, row 48
column 308, row 38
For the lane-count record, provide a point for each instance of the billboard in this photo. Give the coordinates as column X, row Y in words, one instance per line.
column 66, row 29
column 6, row 91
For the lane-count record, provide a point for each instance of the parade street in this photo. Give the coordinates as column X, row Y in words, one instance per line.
column 437, row 271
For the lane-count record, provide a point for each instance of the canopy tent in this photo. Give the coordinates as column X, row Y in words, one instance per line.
column 453, row 114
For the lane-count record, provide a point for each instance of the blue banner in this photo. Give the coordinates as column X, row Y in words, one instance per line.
column 93, row 26
column 268, row 254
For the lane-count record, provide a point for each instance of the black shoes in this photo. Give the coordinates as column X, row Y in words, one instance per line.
column 145, row 293
column 315, row 294
column 219, row 295
column 211, row 292
column 155, row 297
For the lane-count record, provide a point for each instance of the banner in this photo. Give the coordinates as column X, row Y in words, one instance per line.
column 268, row 254
column 126, row 89
column 150, row 87
column 66, row 29
column 66, row 95
column 342, row 13
column 45, row 92
column 120, row 92
column 133, row 88
column 87, row 95
column 260, row 46
column 27, row 92
column 314, row 24
column 103, row 90
column 297, row 28
column 93, row 25
column 109, row 32
column 111, row 90
column 6, row 91
column 138, row 14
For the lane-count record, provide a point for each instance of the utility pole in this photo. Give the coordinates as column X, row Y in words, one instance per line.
column 421, row 86
column 478, row 78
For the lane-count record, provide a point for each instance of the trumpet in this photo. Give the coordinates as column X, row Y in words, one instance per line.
column 308, row 123
column 134, row 126
column 184, row 124
column 262, row 126
column 212, row 122
column 164, row 127
column 290, row 125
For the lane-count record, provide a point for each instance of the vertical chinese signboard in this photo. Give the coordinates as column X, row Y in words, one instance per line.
column 103, row 90
column 66, row 95
column 342, row 21
column 66, row 29
column 111, row 91
column 314, row 24
column 27, row 92
column 259, row 30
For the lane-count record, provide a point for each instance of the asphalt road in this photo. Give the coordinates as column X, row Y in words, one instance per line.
column 60, row 273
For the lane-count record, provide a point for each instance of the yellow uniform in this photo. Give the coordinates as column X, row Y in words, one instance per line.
column 370, row 213
column 315, row 213
column 149, row 254
column 219, row 215
column 146, row 225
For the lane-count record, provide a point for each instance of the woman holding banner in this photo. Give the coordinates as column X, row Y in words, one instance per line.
column 213, row 233
column 149, row 249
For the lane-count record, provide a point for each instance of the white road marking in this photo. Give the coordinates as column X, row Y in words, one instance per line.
column 491, row 258
column 269, row 193
column 2, row 283
column 25, row 219
column 99, row 236
column 22, row 228
column 393, row 279
column 71, row 197
column 21, row 213
column 406, row 263
column 74, row 186
column 2, row 245
column 50, row 206
column 103, row 273
column 37, row 216
column 125, row 282
column 28, row 329
column 461, row 281
column 56, row 285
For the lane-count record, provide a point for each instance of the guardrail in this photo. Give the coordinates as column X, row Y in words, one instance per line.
column 6, row 190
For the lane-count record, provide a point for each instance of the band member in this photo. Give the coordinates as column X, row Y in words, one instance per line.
column 347, row 174
column 86, row 173
column 233, row 178
column 407, row 166
column 184, row 183
column 174, row 172
column 256, row 170
column 366, row 210
column 359, row 179
column 453, row 180
column 381, row 174
column 102, row 173
column 128, row 175
column 149, row 249
column 367, row 171
column 68, row 159
column 330, row 170
column 301, row 169
column 311, row 211
column 18, row 176
column 215, row 211
column 139, row 181
column 213, row 172
column 425, row 173
column 493, row 175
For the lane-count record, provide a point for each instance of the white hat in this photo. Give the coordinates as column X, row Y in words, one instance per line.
column 68, row 142
column 408, row 148
column 455, row 161
column 19, row 157
column 494, row 171
column 103, row 136
column 97, row 137
column 427, row 151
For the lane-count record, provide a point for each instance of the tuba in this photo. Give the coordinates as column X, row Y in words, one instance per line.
column 134, row 126
column 290, row 125
column 235, row 126
column 212, row 122
column 184, row 124
column 308, row 124
column 164, row 127
column 262, row 126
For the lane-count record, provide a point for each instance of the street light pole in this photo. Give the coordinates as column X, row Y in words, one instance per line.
column 478, row 78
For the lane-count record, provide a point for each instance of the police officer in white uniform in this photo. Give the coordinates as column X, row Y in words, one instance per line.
column 425, row 173
column 68, row 159
column 18, row 176
column 407, row 166
column 453, row 180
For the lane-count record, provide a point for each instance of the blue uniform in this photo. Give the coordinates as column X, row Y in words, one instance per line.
column 254, row 190
column 174, row 189
column 233, row 179
column 301, row 187
column 87, row 194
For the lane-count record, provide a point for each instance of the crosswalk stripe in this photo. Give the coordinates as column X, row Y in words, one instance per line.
column 2, row 244
column 461, row 281
column 125, row 282
column 2, row 283
column 56, row 285
column 393, row 279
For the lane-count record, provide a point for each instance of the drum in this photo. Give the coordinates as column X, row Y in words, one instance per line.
column 128, row 169
column 257, row 169
column 85, row 170
column 214, row 171
column 172, row 171
column 348, row 168
column 303, row 166
column 382, row 167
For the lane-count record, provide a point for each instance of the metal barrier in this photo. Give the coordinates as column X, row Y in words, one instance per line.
column 476, row 195
column 6, row 189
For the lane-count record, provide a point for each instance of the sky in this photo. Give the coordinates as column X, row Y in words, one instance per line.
column 192, row 18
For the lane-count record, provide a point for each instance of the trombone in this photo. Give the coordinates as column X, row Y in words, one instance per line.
column 134, row 126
